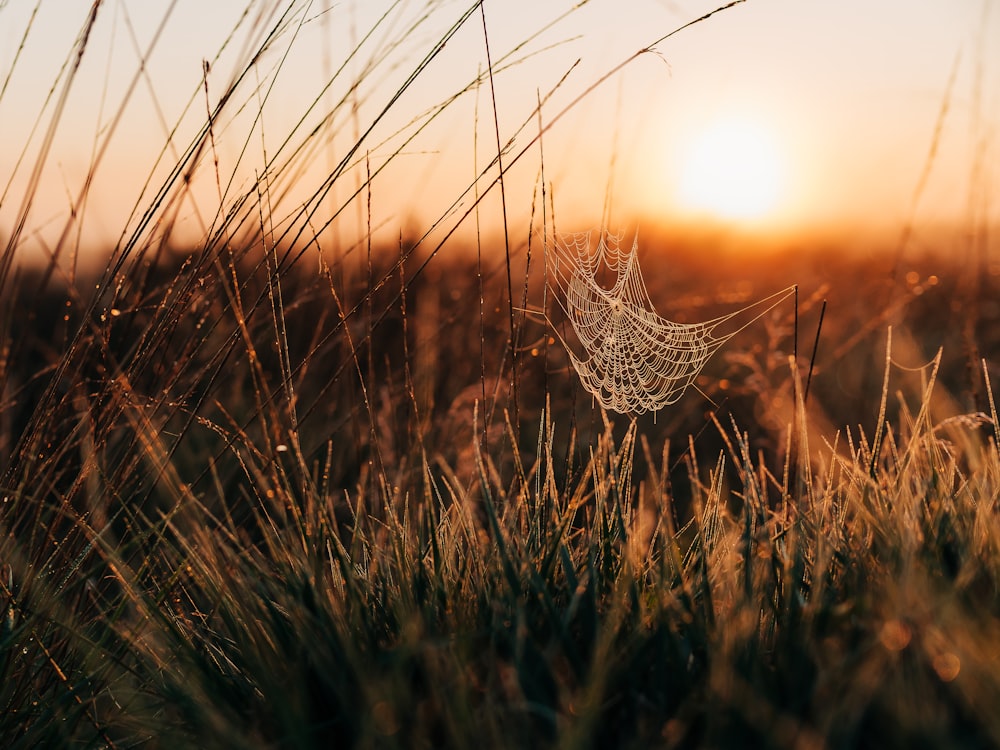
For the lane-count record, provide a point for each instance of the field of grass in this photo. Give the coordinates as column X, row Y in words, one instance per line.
column 257, row 496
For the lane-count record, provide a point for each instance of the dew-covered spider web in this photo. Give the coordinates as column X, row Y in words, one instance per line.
column 633, row 360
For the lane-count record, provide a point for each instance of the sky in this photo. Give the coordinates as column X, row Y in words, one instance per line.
column 772, row 116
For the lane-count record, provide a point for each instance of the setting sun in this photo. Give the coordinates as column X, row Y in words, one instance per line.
column 732, row 171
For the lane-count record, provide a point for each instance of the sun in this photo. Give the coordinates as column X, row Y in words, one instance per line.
column 733, row 171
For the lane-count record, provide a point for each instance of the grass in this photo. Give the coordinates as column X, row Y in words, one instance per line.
column 255, row 497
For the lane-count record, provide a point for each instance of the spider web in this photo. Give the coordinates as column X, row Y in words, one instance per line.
column 634, row 361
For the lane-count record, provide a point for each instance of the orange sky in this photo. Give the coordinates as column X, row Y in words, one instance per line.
column 841, row 113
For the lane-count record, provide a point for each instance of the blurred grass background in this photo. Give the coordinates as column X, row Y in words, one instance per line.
column 256, row 494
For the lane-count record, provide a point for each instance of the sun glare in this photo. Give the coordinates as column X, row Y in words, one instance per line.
column 733, row 171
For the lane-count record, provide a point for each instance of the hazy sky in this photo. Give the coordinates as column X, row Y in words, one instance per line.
column 774, row 113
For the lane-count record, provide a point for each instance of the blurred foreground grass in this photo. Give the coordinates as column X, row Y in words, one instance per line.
column 258, row 494
column 214, row 537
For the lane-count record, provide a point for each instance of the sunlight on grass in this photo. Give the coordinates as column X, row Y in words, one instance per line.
column 256, row 494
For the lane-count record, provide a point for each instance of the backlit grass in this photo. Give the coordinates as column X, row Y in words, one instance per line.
column 257, row 496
